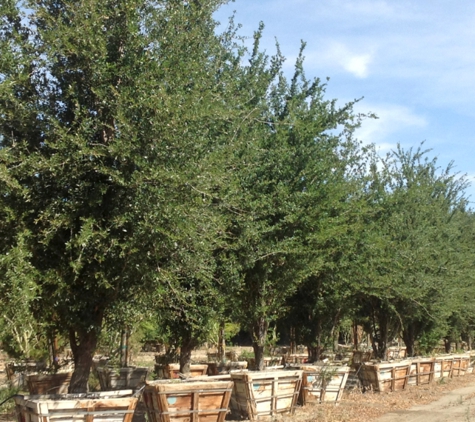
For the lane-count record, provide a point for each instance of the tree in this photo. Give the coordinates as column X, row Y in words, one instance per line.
column 288, row 165
column 106, row 109
column 412, row 270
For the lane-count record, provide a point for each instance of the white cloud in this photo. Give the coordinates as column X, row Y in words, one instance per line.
column 392, row 119
column 358, row 65
column 338, row 55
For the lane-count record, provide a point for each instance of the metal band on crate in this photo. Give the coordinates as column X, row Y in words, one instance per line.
column 180, row 393
column 185, row 412
column 281, row 396
column 79, row 413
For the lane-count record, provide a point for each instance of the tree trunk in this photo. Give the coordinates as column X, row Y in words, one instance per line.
column 221, row 342
column 259, row 336
column 186, row 347
column 356, row 342
column 314, row 345
column 83, row 345
column 408, row 335
column 314, row 353
column 380, row 341
column 293, row 341
column 54, row 352
column 447, row 344
column 124, row 348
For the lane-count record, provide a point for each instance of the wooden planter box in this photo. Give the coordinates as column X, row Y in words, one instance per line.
column 422, row 371
column 98, row 362
column 215, row 368
column 172, row 371
column 460, row 365
column 111, row 406
column 49, row 383
column 360, row 357
column 17, row 372
column 184, row 401
column 269, row 362
column 121, row 378
column 396, row 353
column 381, row 377
column 443, row 366
column 292, row 359
column 263, row 395
column 323, row 383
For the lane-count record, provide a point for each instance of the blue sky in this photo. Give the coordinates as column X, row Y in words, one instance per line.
column 412, row 61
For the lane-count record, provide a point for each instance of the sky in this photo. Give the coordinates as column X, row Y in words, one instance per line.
column 412, row 61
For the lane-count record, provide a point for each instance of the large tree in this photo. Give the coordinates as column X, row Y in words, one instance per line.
column 292, row 152
column 105, row 116
column 409, row 276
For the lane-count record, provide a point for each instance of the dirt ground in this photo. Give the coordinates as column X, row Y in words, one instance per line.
column 444, row 400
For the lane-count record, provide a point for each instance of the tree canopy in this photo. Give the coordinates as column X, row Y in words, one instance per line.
column 149, row 163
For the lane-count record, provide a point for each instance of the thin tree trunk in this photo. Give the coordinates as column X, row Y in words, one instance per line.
column 356, row 342
column 221, row 342
column 124, row 348
column 83, row 345
column 314, row 346
column 259, row 336
column 293, row 341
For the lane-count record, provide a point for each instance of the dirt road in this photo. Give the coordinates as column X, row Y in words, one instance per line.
column 455, row 406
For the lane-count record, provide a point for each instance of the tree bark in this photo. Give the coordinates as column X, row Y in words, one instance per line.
column 221, row 342
column 293, row 341
column 447, row 345
column 314, row 341
column 186, row 347
column 408, row 335
column 380, row 341
column 83, row 345
column 356, row 342
column 124, row 348
column 259, row 335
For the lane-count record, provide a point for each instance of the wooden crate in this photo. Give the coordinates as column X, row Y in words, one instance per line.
column 110, row 406
column 293, row 359
column 172, row 370
column 396, row 353
column 269, row 362
column 12, row 368
column 99, row 361
column 422, row 371
column 460, row 365
column 121, row 378
column 443, row 366
column 215, row 368
column 49, row 383
column 381, row 377
column 263, row 395
column 17, row 372
column 323, row 383
column 185, row 401
column 360, row 357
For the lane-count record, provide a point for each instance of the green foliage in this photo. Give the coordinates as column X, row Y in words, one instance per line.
column 429, row 340
column 230, row 330
column 5, row 395
column 157, row 176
